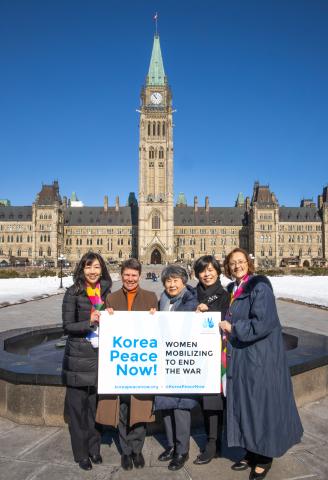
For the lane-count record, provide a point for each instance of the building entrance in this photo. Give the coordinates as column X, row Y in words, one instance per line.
column 156, row 257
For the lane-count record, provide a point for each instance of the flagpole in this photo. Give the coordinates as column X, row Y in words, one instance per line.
column 155, row 18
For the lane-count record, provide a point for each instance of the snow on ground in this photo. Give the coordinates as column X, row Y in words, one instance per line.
column 14, row 290
column 305, row 289
column 313, row 290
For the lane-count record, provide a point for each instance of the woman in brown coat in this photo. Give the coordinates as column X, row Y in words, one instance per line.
column 129, row 412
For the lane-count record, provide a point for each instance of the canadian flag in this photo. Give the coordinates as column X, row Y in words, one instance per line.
column 156, row 16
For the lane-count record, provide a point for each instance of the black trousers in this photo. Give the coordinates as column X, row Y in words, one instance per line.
column 81, row 405
column 213, row 420
column 177, row 424
column 257, row 459
column 132, row 438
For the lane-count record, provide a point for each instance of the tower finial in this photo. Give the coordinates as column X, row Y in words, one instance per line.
column 155, row 20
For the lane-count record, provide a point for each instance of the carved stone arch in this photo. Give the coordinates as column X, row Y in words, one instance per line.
column 157, row 255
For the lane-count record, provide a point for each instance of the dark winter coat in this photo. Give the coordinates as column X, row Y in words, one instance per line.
column 217, row 299
column 167, row 402
column 261, row 412
column 80, row 363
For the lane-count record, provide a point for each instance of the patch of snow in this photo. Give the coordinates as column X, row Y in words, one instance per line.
column 13, row 290
column 306, row 289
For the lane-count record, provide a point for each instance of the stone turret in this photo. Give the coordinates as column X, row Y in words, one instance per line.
column 207, row 204
column 196, row 204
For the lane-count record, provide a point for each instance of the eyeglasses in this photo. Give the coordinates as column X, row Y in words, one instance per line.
column 239, row 263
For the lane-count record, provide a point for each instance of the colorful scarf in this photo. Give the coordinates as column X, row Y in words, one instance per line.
column 97, row 304
column 234, row 294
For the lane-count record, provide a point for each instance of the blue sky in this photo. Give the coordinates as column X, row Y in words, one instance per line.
column 249, row 81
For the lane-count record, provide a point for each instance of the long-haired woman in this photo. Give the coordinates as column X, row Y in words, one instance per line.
column 82, row 304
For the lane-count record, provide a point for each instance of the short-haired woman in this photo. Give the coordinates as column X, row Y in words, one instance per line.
column 261, row 413
column 214, row 298
column 177, row 297
column 82, row 304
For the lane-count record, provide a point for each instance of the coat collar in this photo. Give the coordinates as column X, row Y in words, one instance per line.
column 250, row 285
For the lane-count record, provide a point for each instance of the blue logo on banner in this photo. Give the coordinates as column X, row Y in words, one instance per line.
column 208, row 323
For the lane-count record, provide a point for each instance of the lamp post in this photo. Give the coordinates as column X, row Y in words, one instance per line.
column 61, row 259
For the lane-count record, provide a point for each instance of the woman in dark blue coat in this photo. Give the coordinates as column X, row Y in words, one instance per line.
column 177, row 297
column 261, row 412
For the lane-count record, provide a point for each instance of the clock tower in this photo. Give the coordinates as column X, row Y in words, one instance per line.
column 155, row 225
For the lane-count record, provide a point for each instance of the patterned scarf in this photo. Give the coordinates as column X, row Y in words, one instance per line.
column 234, row 294
column 168, row 303
column 94, row 296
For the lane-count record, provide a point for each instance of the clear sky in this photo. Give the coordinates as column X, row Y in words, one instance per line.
column 249, row 81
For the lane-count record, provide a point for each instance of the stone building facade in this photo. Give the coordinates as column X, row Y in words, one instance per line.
column 152, row 228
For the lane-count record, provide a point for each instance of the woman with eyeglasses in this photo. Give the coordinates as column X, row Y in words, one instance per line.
column 261, row 412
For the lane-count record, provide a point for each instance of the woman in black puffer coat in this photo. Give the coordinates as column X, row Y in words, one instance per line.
column 81, row 310
column 211, row 297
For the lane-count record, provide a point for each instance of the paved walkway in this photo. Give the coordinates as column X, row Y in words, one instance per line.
column 44, row 453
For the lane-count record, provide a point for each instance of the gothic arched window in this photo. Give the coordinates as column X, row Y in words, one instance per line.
column 149, row 126
column 154, row 128
column 163, row 129
column 156, row 222
column 158, row 128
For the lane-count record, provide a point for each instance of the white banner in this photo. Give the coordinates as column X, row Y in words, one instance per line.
column 167, row 352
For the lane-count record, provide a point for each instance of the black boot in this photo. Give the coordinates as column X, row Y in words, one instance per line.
column 207, row 454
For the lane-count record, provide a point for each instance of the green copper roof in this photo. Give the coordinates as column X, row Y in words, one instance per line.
column 156, row 74
column 240, row 199
column 182, row 199
column 73, row 197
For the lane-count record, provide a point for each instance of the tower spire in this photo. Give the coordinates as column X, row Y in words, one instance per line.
column 156, row 74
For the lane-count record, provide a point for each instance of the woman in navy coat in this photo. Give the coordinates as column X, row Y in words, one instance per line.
column 177, row 297
column 261, row 412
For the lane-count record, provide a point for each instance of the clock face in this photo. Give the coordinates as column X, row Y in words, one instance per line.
column 156, row 98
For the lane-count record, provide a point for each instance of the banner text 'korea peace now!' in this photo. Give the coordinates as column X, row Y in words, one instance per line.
column 167, row 352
